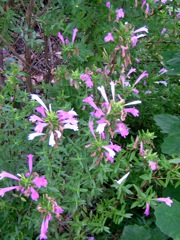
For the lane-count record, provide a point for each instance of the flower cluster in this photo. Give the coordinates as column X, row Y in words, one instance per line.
column 26, row 183
column 112, row 114
column 102, row 149
column 56, row 121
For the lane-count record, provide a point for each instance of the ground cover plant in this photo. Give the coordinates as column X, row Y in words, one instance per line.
column 89, row 116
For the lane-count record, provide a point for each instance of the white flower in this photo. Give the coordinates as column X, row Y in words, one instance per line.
column 121, row 180
column 103, row 93
column 51, row 140
column 31, row 136
column 37, row 98
column 133, row 103
column 110, row 151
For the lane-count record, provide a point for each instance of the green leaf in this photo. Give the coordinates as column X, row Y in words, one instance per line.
column 156, row 234
column 175, row 160
column 173, row 192
column 167, row 219
column 171, row 61
column 135, row 232
column 165, row 122
column 171, row 144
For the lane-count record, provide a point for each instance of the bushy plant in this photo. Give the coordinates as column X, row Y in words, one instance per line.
column 93, row 151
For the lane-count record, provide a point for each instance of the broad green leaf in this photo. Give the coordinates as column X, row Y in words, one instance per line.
column 167, row 219
column 136, row 232
column 171, row 144
column 165, row 121
column 156, row 234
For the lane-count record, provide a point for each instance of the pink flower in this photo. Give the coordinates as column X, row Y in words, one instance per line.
column 108, row 4
column 75, row 30
column 134, row 38
column 167, row 200
column 143, row 3
column 141, row 29
column 68, row 119
column 144, row 74
column 87, row 78
column 60, row 36
column 109, row 37
column 41, row 110
column 178, row 15
column 4, row 190
column 122, row 129
column 141, row 150
column 58, row 210
column 137, row 60
column 34, row 194
column 163, row 31
column 44, row 227
column 147, row 9
column 119, row 14
column 147, row 210
column 162, row 71
column 40, row 182
column 131, row 71
column 133, row 111
column 153, row 165
column 98, row 113
column 8, row 175
column 91, row 128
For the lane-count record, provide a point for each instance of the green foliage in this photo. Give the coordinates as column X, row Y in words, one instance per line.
column 168, row 222
column 142, row 233
column 81, row 177
column 171, row 125
column 171, row 61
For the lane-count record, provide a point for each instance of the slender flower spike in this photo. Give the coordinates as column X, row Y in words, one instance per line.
column 166, row 200
column 109, row 37
column 121, row 180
